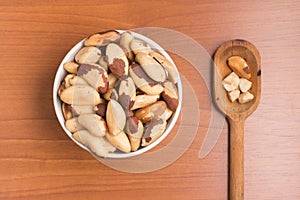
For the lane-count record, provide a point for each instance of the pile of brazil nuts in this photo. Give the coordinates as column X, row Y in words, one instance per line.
column 119, row 93
column 238, row 83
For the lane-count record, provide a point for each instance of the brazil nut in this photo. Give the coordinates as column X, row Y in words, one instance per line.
column 94, row 124
column 88, row 55
column 102, row 38
column 153, row 131
column 98, row 145
column 143, row 82
column 95, row 75
column 152, row 68
column 151, row 112
column 115, row 117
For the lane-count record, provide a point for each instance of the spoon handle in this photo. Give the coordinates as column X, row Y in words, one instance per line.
column 236, row 160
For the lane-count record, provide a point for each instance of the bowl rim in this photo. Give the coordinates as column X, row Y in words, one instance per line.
column 61, row 73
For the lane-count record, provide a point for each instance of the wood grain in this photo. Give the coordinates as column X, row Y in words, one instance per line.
column 38, row 161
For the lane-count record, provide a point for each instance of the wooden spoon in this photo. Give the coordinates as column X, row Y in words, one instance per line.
column 235, row 112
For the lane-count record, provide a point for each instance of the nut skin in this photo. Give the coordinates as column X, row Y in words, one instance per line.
column 61, row 88
column 111, row 94
column 239, row 66
column 173, row 74
column 95, row 75
column 80, row 95
column 126, row 93
column 151, row 67
column 102, row 38
column 170, row 95
column 98, row 145
column 153, row 131
column 151, row 112
column 115, row 117
column 67, row 111
column 71, row 67
column 120, row 141
column 88, row 55
column 100, row 109
column 94, row 124
column 143, row 82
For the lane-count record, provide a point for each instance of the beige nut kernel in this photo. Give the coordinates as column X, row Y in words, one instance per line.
column 239, row 66
column 103, row 62
column 98, row 145
column 115, row 117
column 246, row 97
column 72, row 79
column 143, row 82
column 169, row 67
column 73, row 125
column 70, row 111
column 88, row 55
column 81, row 109
column 125, row 41
column 71, row 67
column 153, row 131
column 102, row 38
column 245, row 85
column 234, row 95
column 80, row 95
column 151, row 112
column 120, row 141
column 76, row 80
column 135, row 130
column 144, row 100
column 112, row 80
column 231, row 82
column 170, row 95
column 67, row 80
column 117, row 60
column 95, row 75
column 94, row 124
column 152, row 68
column 166, row 115
column 139, row 46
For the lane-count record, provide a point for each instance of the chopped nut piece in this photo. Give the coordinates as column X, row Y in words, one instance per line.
column 245, row 85
column 246, row 97
column 231, row 82
column 234, row 95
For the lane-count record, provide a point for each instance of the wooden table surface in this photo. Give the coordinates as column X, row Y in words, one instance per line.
column 39, row 161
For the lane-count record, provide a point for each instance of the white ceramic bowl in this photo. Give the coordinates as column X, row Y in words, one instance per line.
column 61, row 73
